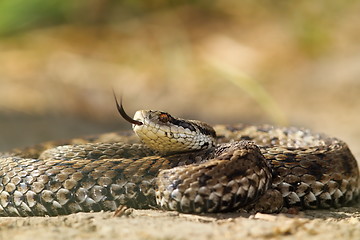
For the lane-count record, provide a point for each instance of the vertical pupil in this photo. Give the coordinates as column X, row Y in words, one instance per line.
column 163, row 118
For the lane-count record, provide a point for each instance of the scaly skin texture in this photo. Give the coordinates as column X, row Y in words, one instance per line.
column 283, row 168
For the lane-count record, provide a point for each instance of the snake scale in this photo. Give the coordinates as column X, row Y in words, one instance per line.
column 181, row 165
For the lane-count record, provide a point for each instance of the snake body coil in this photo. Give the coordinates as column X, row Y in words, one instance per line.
column 180, row 165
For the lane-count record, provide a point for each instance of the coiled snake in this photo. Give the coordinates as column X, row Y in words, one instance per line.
column 182, row 165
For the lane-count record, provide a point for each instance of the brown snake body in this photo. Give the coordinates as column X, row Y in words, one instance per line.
column 255, row 168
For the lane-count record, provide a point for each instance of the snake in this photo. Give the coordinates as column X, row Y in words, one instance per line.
column 181, row 165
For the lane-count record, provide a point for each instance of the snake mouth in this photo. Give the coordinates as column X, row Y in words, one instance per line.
column 123, row 114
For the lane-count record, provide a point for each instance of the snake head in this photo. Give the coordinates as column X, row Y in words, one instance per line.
column 167, row 134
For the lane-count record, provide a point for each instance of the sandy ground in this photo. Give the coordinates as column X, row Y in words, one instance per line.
column 342, row 223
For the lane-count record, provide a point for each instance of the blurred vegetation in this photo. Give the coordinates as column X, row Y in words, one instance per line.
column 22, row 15
column 311, row 21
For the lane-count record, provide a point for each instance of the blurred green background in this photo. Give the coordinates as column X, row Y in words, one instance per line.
column 280, row 62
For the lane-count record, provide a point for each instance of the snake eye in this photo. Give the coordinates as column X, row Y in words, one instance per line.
column 163, row 117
